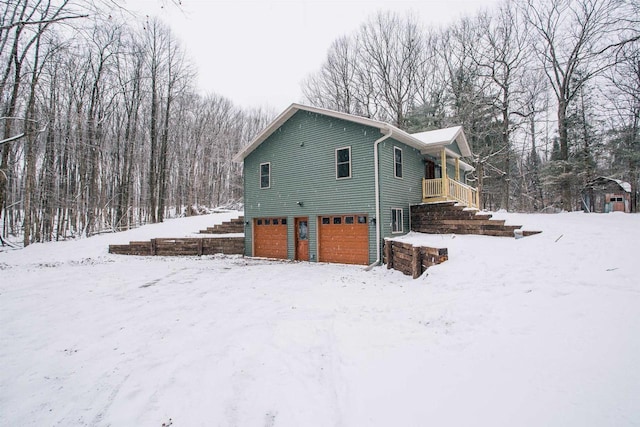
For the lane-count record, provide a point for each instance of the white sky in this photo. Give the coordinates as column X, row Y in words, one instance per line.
column 257, row 53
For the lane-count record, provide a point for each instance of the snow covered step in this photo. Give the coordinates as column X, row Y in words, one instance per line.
column 236, row 225
column 449, row 218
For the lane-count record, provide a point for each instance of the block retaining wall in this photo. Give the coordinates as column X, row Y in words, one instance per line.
column 182, row 247
column 412, row 260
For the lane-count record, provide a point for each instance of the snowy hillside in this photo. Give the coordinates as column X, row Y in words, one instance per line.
column 540, row 331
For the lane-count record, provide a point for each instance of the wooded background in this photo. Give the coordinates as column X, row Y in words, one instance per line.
column 548, row 92
column 114, row 133
column 103, row 129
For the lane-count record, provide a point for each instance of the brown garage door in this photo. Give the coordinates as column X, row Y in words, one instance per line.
column 344, row 239
column 270, row 237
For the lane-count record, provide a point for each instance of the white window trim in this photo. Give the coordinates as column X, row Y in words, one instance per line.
column 395, row 172
column 260, row 176
column 401, row 221
column 350, row 162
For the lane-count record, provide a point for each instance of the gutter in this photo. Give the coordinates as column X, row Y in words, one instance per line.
column 377, row 191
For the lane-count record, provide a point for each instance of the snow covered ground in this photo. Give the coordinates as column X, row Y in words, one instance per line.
column 540, row 331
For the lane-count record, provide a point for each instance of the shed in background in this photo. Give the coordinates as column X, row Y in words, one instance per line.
column 604, row 195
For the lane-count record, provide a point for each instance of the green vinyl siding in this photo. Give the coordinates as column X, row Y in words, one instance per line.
column 302, row 157
column 455, row 148
column 402, row 192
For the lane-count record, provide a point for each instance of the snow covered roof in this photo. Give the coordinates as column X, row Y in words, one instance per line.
column 623, row 184
column 443, row 137
column 425, row 142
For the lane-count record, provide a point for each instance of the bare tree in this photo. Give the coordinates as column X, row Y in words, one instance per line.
column 392, row 48
column 21, row 27
column 335, row 84
column 623, row 92
column 501, row 57
column 576, row 41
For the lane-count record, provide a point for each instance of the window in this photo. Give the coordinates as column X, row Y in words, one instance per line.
column 362, row 219
column 343, row 163
column 438, row 171
column 265, row 175
column 397, row 162
column 337, row 220
column 302, row 230
column 348, row 220
column 396, row 221
column 326, row 220
column 271, row 221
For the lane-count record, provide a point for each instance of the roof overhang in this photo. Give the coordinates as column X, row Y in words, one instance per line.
column 293, row 109
column 435, row 140
column 430, row 142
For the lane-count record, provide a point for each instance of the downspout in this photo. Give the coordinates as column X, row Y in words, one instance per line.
column 377, row 192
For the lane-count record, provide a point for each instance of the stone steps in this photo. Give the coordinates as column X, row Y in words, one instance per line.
column 451, row 218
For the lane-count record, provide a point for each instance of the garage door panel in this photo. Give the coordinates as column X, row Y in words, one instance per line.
column 343, row 242
column 270, row 238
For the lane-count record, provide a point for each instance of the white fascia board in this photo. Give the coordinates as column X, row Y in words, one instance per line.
column 438, row 136
column 344, row 116
column 450, row 134
column 294, row 108
column 436, row 139
column 466, row 166
column 436, row 149
column 275, row 124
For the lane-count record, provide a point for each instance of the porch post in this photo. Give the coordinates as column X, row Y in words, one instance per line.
column 443, row 166
column 457, row 169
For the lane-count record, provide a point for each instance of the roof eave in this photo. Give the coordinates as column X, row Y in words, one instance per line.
column 294, row 108
column 398, row 134
column 275, row 124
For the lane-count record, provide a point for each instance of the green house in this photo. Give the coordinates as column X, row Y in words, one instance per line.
column 321, row 185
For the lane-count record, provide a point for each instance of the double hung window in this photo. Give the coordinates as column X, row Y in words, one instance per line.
column 343, row 163
column 265, row 175
column 397, row 162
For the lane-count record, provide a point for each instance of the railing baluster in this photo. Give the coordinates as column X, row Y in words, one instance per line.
column 450, row 189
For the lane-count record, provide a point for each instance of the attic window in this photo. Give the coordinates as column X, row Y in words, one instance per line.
column 265, row 175
column 343, row 163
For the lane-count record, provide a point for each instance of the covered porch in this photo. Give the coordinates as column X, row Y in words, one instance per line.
column 446, row 188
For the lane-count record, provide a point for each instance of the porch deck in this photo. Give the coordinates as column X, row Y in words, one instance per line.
column 447, row 189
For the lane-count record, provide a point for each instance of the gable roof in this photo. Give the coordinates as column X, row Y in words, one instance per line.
column 440, row 136
column 425, row 142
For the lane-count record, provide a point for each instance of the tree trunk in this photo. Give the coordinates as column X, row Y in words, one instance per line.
column 563, row 137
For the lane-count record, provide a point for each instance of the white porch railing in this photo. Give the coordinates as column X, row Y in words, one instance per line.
column 450, row 189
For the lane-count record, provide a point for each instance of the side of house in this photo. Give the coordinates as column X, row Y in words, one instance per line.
column 310, row 190
column 398, row 191
column 322, row 185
